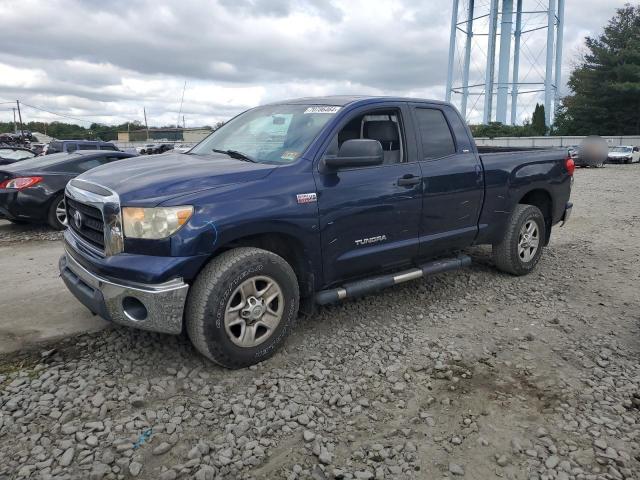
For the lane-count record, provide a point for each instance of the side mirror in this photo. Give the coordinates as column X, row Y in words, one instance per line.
column 356, row 153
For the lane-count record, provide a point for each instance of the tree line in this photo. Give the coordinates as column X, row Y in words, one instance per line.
column 70, row 131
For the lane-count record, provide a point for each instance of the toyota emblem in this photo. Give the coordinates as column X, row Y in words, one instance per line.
column 77, row 219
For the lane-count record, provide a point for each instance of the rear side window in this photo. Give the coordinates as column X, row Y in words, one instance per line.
column 71, row 147
column 435, row 135
column 81, row 166
column 88, row 146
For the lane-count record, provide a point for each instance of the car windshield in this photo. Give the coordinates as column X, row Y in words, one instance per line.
column 621, row 149
column 275, row 134
column 11, row 154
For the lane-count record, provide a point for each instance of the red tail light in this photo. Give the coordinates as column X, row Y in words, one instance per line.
column 20, row 183
column 570, row 165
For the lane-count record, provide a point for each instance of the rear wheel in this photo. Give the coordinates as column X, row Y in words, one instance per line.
column 521, row 247
column 57, row 217
column 242, row 306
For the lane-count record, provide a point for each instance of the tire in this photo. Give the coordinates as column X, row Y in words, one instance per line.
column 220, row 334
column 54, row 215
column 507, row 255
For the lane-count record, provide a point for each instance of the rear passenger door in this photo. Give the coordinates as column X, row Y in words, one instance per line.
column 453, row 182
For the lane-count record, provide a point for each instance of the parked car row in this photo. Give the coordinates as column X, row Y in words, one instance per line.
column 32, row 190
column 624, row 154
column 154, row 148
column 595, row 153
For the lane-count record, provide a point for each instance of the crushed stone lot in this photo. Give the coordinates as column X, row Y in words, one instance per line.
column 471, row 374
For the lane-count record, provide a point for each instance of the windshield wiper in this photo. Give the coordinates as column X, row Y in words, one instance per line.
column 236, row 154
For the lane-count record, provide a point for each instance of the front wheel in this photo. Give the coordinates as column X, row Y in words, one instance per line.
column 57, row 217
column 521, row 248
column 242, row 306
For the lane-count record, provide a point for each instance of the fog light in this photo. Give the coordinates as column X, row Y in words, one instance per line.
column 134, row 309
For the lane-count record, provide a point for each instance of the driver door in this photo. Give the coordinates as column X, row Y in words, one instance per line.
column 370, row 216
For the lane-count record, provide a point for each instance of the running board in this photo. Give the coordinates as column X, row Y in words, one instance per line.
column 373, row 284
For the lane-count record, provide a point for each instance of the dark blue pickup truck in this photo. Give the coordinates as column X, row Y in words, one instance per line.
column 299, row 203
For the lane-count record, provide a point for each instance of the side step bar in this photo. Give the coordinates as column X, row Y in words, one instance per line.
column 373, row 284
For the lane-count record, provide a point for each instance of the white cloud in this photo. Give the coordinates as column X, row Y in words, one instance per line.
column 104, row 60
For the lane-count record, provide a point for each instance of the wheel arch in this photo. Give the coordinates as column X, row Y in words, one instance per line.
column 541, row 198
column 285, row 245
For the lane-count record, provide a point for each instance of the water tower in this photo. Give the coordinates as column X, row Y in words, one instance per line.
column 505, row 56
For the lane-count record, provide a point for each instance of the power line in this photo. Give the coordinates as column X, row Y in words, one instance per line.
column 68, row 116
column 58, row 114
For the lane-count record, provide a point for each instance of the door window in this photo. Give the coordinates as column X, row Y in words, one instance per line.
column 71, row 147
column 435, row 134
column 384, row 126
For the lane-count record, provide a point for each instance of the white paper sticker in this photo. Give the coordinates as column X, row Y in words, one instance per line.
column 322, row 109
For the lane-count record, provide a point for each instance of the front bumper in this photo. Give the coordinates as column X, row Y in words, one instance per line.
column 154, row 307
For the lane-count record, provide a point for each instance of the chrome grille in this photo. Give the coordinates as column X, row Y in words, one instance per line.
column 90, row 226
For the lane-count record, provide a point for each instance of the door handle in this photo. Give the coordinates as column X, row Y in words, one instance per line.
column 408, row 180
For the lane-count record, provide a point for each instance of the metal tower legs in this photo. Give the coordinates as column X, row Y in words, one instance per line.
column 559, row 36
column 452, row 49
column 500, row 86
column 505, row 60
column 467, row 60
column 548, row 87
column 491, row 58
column 516, row 63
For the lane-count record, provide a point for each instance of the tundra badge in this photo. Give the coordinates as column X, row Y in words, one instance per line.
column 367, row 241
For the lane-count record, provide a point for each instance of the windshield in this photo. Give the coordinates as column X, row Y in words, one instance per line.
column 11, row 154
column 272, row 134
column 621, row 149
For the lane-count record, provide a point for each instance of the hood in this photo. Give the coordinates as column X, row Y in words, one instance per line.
column 150, row 180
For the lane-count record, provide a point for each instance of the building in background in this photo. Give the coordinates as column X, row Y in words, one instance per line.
column 187, row 135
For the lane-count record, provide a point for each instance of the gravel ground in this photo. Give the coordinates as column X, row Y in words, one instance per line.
column 472, row 374
column 12, row 234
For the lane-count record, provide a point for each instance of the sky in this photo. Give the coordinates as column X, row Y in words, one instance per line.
column 105, row 60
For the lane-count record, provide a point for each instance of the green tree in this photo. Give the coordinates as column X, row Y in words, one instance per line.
column 605, row 86
column 538, row 122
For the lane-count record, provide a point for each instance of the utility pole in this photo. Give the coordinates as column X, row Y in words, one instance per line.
column 15, row 124
column 181, row 102
column 20, row 118
column 183, row 123
column 145, row 121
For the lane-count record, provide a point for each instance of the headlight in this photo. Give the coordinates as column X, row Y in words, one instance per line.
column 154, row 223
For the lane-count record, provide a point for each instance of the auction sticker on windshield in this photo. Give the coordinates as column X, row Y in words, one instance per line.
column 322, row 109
column 289, row 155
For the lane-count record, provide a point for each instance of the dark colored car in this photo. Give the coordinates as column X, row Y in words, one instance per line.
column 164, row 147
column 33, row 190
column 297, row 203
column 68, row 146
column 9, row 155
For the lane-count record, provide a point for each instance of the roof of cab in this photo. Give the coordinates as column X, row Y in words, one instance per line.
column 343, row 100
